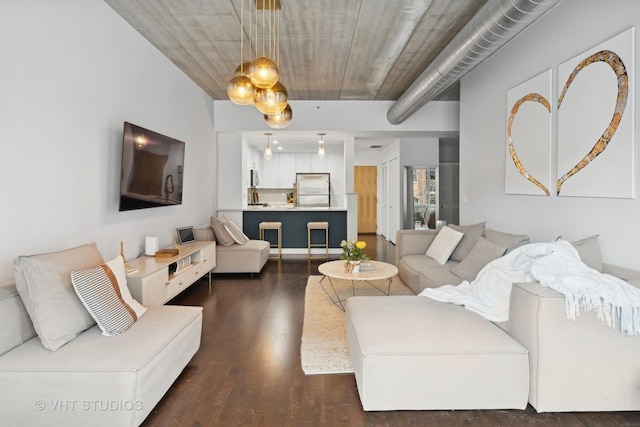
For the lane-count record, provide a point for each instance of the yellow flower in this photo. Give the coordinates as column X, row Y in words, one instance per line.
column 352, row 250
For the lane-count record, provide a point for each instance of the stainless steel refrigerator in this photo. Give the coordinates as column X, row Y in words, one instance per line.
column 313, row 190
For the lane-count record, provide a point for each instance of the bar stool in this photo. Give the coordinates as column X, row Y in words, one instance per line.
column 321, row 225
column 272, row 226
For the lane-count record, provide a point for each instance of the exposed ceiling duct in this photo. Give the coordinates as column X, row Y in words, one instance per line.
column 491, row 28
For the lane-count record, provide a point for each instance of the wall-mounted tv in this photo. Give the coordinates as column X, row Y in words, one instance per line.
column 152, row 169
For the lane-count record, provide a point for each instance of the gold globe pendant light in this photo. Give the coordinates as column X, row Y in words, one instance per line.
column 242, row 70
column 240, row 89
column 264, row 72
column 272, row 100
column 257, row 82
column 279, row 120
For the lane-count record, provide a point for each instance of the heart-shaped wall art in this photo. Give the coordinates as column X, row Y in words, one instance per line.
column 617, row 65
column 531, row 97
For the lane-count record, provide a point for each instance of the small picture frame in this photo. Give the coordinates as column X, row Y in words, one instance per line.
column 186, row 235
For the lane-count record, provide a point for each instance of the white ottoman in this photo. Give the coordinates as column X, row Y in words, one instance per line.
column 412, row 353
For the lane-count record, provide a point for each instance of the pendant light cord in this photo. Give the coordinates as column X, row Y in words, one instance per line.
column 241, row 37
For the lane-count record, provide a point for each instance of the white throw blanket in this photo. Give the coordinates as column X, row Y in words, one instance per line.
column 556, row 265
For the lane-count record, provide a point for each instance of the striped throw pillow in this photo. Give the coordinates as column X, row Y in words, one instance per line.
column 103, row 291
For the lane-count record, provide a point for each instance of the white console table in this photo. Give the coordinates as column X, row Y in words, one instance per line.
column 155, row 281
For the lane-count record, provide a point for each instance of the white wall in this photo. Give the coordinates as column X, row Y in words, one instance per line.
column 569, row 29
column 231, row 179
column 352, row 116
column 419, row 152
column 367, row 158
column 72, row 72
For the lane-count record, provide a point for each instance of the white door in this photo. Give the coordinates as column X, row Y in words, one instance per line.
column 383, row 224
column 394, row 199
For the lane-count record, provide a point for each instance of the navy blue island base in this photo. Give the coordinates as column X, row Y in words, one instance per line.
column 294, row 225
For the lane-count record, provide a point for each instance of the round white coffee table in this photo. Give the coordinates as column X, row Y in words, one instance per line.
column 336, row 270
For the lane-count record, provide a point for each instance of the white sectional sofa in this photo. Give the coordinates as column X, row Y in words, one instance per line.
column 412, row 352
column 241, row 256
column 580, row 365
column 418, row 271
column 92, row 379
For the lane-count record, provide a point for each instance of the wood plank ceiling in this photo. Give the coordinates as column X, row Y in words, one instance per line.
column 329, row 49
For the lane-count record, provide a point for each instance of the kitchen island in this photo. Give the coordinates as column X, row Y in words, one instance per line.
column 294, row 224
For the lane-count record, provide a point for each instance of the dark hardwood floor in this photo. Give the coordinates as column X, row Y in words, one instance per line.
column 247, row 371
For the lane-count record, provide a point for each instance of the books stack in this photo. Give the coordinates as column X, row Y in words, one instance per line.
column 167, row 253
column 367, row 266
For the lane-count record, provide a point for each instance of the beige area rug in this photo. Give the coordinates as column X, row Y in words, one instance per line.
column 324, row 348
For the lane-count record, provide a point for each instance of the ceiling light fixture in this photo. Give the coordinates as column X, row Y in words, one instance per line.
column 321, row 151
column 264, row 71
column 272, row 100
column 279, row 120
column 240, row 89
column 257, row 82
column 268, row 155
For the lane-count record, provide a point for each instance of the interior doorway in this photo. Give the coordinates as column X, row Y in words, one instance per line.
column 421, row 198
column 365, row 184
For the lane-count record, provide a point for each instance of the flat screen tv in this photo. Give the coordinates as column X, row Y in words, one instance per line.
column 152, row 169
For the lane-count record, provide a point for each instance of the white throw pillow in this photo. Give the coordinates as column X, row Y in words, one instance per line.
column 44, row 284
column 444, row 244
column 103, row 291
column 235, row 232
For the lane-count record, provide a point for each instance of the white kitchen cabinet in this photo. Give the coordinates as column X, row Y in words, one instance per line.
column 253, row 159
column 271, row 172
column 311, row 162
column 287, row 173
column 318, row 164
column 280, row 172
column 303, row 162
